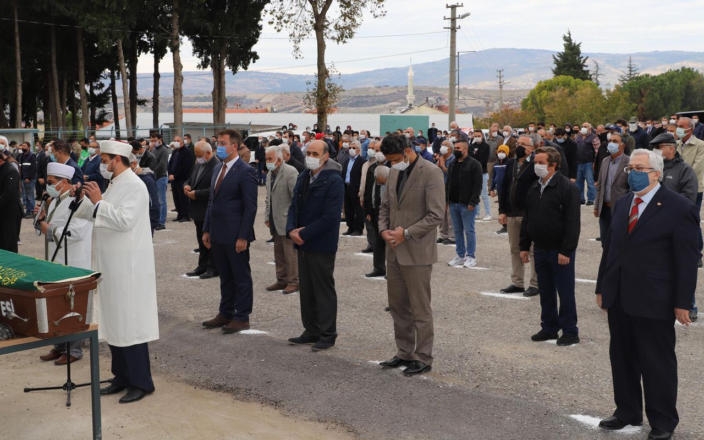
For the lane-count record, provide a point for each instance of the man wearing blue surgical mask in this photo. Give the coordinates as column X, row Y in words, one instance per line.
column 613, row 183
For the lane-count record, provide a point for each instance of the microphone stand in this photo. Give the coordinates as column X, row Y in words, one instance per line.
column 65, row 233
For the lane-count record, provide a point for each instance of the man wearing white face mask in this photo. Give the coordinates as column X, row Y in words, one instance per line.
column 698, row 128
column 639, row 135
column 587, row 145
column 197, row 189
column 613, row 183
column 552, row 224
column 77, row 244
column 692, row 151
column 352, row 175
column 443, row 161
column 280, row 182
column 91, row 166
column 313, row 223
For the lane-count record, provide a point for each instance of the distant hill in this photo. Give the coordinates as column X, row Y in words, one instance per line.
column 522, row 69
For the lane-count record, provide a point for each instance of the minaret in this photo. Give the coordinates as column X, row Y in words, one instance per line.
column 410, row 97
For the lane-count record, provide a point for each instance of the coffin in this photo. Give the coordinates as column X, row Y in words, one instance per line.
column 43, row 299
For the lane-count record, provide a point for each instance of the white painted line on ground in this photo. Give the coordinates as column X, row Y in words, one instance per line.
column 272, row 263
column 374, row 278
column 190, row 278
column 364, row 254
column 165, row 242
column 364, row 236
column 585, row 281
column 593, row 239
column 505, row 295
column 477, row 268
column 593, row 423
column 253, row 332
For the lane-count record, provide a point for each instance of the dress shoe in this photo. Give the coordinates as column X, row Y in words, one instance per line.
column 416, row 367
column 656, row 434
column 159, row 227
column 367, row 250
column 303, row 339
column 395, row 362
column 198, row 271
column 375, row 273
column 567, row 339
column 531, row 291
column 291, row 288
column 196, row 251
column 63, row 360
column 355, row 234
column 218, row 321
column 113, row 388
column 613, row 423
column 271, row 240
column 543, row 335
column 184, row 220
column 512, row 289
column 590, row 203
column 503, row 230
column 322, row 345
column 133, row 394
column 448, row 241
column 52, row 355
column 276, row 286
column 207, row 274
column 235, row 327
column 439, row 240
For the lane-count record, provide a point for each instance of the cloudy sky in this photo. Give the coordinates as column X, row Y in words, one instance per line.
column 414, row 29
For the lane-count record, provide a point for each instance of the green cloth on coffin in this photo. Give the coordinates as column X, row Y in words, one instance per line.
column 28, row 273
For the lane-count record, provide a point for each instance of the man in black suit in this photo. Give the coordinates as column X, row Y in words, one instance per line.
column 180, row 167
column 197, row 189
column 61, row 152
column 352, row 176
column 647, row 278
column 228, row 228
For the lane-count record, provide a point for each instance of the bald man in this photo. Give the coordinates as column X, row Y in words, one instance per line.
column 197, row 189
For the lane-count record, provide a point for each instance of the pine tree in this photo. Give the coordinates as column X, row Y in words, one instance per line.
column 630, row 73
column 570, row 61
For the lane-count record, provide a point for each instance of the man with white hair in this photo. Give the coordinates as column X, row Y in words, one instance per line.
column 123, row 253
column 280, row 182
column 197, row 189
column 74, row 250
column 180, row 166
column 647, row 278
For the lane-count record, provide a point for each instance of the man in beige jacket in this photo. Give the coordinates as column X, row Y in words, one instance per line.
column 411, row 209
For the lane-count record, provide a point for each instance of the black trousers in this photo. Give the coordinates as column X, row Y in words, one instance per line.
column 236, row 293
column 354, row 214
column 643, row 348
column 318, row 295
column 205, row 261
column 379, row 247
column 131, row 368
column 180, row 199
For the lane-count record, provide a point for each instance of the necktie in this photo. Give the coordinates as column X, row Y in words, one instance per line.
column 633, row 218
column 221, row 177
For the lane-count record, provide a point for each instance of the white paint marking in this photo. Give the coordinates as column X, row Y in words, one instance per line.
column 363, row 254
column 593, row 423
column 505, row 295
column 272, row 263
column 374, row 278
column 585, row 281
column 477, row 268
column 196, row 277
column 253, row 332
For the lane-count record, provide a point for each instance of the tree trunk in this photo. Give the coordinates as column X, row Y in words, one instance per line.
column 321, row 95
column 175, row 46
column 56, row 121
column 155, row 94
column 125, row 87
column 64, row 99
column 91, row 120
column 82, row 82
column 133, row 59
column 219, row 88
column 115, row 109
column 18, row 71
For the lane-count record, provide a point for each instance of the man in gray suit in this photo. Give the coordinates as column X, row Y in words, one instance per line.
column 412, row 208
column 280, row 181
column 612, row 183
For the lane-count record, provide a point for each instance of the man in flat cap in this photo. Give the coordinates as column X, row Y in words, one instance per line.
column 74, row 250
column 124, row 255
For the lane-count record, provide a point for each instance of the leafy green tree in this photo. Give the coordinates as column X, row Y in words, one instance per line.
column 630, row 73
column 570, row 61
column 335, row 20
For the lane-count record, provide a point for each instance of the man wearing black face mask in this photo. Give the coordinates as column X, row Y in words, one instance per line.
column 519, row 176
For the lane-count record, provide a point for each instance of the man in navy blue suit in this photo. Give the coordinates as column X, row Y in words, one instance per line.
column 228, row 229
column 647, row 278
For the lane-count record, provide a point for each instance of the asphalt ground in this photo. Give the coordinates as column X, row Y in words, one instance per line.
column 489, row 380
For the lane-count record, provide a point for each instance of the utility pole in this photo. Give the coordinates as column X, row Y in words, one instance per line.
column 500, row 75
column 453, row 51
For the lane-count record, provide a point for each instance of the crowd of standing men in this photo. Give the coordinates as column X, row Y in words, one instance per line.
column 404, row 187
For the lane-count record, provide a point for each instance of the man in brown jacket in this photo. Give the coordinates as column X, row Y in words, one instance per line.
column 411, row 209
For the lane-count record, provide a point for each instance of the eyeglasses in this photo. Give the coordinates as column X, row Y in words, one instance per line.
column 628, row 169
